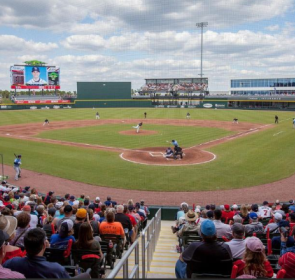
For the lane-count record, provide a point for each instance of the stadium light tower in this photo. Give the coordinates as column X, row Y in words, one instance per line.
column 202, row 25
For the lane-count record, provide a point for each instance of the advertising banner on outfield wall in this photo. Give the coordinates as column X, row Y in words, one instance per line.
column 41, row 101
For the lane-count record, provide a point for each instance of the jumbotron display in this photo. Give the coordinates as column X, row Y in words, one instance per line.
column 34, row 77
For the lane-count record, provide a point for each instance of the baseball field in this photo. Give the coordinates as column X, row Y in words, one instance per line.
column 108, row 152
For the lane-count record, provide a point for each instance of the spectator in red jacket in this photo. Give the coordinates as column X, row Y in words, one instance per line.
column 254, row 261
column 287, row 262
column 227, row 214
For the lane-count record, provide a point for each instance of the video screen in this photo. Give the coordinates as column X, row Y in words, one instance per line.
column 34, row 77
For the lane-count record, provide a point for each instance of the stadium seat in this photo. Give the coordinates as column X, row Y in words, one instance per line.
column 89, row 259
column 61, row 256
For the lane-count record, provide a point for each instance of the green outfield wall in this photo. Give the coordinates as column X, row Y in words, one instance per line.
column 103, row 90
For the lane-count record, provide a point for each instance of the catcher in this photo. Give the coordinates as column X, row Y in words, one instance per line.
column 178, row 152
column 169, row 153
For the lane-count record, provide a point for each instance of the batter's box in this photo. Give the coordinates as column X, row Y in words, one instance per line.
column 156, row 154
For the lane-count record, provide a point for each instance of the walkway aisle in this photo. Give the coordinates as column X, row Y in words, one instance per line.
column 165, row 256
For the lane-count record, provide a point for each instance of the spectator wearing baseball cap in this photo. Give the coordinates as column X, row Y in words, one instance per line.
column 227, row 214
column 265, row 211
column 254, row 261
column 81, row 216
column 65, row 233
column 6, row 273
column 68, row 214
column 254, row 225
column 274, row 227
column 200, row 256
column 237, row 244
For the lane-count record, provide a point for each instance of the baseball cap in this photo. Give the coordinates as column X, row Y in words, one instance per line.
column 58, row 204
column 278, row 216
column 65, row 227
column 291, row 201
column 254, row 244
column 235, row 206
column 130, row 208
column 238, row 229
column 27, row 208
column 81, row 213
column 226, row 206
column 51, row 193
column 35, row 69
column 27, row 188
column 254, row 207
column 265, row 202
column 97, row 199
column 253, row 216
column 3, row 182
column 72, row 197
column 68, row 209
column 208, row 228
column 3, row 237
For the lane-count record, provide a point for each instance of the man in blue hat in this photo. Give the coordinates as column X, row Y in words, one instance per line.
column 36, row 77
column 204, row 256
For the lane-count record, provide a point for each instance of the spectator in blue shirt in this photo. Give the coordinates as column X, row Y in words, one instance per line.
column 66, row 231
column 110, row 202
column 287, row 243
column 34, row 265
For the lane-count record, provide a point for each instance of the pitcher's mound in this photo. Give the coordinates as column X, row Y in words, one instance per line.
column 140, row 133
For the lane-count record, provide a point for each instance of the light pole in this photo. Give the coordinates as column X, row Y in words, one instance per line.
column 202, row 25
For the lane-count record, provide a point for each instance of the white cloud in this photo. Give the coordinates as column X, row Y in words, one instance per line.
column 272, row 27
column 11, row 43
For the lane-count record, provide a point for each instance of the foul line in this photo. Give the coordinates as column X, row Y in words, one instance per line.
column 278, row 133
column 179, row 165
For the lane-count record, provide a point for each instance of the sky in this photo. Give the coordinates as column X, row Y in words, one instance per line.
column 131, row 40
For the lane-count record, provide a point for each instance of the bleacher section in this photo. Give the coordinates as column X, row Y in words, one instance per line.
column 38, row 99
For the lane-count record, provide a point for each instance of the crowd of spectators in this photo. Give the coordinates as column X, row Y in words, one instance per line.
column 167, row 87
column 26, row 218
column 236, row 236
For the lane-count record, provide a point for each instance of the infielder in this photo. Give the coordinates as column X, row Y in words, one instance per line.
column 276, row 119
column 137, row 127
column 235, row 120
column 46, row 122
column 97, row 116
column 188, row 115
column 16, row 166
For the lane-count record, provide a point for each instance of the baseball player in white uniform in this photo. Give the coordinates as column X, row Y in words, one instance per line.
column 36, row 77
column 97, row 116
column 265, row 211
column 137, row 127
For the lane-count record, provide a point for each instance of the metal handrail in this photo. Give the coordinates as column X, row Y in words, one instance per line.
column 152, row 233
column 124, row 263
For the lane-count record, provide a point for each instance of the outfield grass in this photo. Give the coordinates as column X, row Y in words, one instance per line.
column 252, row 160
column 108, row 135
